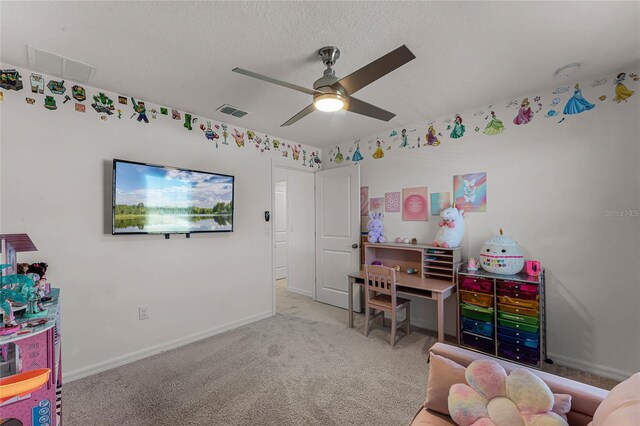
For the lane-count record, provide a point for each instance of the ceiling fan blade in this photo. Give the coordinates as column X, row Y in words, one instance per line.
column 363, row 108
column 308, row 110
column 274, row 81
column 376, row 69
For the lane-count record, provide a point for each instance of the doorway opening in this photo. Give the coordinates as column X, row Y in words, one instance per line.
column 281, row 233
column 293, row 232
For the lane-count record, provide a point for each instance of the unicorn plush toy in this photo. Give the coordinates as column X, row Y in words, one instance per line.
column 451, row 228
column 376, row 228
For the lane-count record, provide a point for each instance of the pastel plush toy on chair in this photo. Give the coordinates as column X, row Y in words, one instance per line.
column 451, row 228
column 376, row 228
column 492, row 398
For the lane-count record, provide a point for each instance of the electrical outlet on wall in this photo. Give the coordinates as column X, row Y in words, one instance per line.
column 143, row 312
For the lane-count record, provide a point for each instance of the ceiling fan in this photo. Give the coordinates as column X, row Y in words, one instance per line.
column 332, row 94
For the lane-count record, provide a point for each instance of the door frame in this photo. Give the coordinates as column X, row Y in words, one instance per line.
column 282, row 164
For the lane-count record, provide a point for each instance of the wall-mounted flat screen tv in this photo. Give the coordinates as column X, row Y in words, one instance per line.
column 151, row 199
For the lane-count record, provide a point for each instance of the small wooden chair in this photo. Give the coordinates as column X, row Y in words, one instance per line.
column 380, row 294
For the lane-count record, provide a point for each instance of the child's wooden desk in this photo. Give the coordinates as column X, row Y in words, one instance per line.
column 434, row 280
column 411, row 285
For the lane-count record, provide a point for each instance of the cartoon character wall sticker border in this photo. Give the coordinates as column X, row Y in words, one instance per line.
column 53, row 94
column 489, row 122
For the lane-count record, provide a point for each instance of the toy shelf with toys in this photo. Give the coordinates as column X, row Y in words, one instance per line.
column 30, row 344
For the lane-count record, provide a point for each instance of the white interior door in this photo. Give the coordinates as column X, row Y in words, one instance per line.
column 337, row 233
column 281, row 230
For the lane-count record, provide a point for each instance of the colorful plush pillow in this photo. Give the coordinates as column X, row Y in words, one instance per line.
column 444, row 373
column 493, row 398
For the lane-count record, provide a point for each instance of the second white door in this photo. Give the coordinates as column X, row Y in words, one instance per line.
column 337, row 233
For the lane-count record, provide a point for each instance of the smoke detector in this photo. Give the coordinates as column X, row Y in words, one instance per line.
column 569, row 70
column 58, row 65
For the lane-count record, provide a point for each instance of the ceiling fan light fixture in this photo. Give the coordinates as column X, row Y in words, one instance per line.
column 329, row 102
column 331, row 93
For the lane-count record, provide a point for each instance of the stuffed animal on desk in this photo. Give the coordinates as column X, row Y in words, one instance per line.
column 376, row 228
column 451, row 228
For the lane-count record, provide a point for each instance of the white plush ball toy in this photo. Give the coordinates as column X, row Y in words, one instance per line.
column 501, row 255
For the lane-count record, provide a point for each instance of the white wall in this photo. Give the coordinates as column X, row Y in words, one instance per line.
column 301, row 237
column 549, row 185
column 56, row 186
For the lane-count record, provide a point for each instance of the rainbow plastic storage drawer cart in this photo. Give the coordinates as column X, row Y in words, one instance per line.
column 502, row 315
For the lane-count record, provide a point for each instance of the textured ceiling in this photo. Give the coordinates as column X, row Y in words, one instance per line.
column 181, row 54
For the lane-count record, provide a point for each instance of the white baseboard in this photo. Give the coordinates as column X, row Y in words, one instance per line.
column 300, row 291
column 163, row 347
column 589, row 367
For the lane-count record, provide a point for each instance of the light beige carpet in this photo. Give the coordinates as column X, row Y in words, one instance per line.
column 302, row 367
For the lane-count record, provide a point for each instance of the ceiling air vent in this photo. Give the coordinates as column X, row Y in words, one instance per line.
column 58, row 65
column 231, row 110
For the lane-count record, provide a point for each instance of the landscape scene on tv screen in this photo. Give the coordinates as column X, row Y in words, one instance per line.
column 156, row 199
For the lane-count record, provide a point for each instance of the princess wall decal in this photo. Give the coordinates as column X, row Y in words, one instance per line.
column 379, row 152
column 525, row 114
column 405, row 140
column 577, row 104
column 458, row 128
column 339, row 157
column 432, row 137
column 557, row 105
column 495, row 126
column 622, row 93
column 356, row 157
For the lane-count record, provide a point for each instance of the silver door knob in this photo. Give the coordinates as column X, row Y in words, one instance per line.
column 354, row 245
